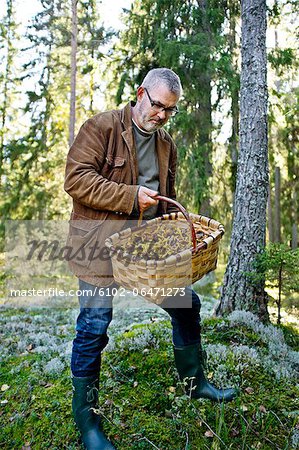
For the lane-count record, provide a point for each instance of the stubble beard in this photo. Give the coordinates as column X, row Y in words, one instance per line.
column 150, row 126
column 146, row 120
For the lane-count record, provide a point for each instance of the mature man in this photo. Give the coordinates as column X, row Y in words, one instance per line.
column 117, row 164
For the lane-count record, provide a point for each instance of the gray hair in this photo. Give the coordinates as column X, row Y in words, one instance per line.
column 165, row 76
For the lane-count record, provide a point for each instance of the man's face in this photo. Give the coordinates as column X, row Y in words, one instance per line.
column 146, row 116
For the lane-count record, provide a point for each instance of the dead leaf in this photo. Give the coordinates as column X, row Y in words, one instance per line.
column 249, row 390
column 209, row 433
column 26, row 446
column 4, row 387
column 234, row 432
column 262, row 409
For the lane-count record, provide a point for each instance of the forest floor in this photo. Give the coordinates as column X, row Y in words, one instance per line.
column 141, row 401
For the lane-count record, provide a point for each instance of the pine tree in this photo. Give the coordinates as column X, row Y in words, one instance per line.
column 74, row 38
column 32, row 185
column 249, row 225
column 37, row 159
column 8, row 78
column 187, row 37
column 283, row 122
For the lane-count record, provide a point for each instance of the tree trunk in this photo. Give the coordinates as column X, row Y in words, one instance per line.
column 205, row 109
column 295, row 221
column 204, row 115
column 249, row 224
column 7, row 76
column 73, row 72
column 279, row 295
column 277, row 205
column 234, row 93
column 270, row 217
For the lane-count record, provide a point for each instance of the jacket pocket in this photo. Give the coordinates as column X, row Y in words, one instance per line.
column 82, row 225
column 83, row 239
column 116, row 169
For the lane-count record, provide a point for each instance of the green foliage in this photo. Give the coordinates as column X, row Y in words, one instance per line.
column 283, row 111
column 34, row 154
column 200, row 41
column 278, row 260
column 278, row 264
column 282, row 58
column 9, row 82
column 189, row 38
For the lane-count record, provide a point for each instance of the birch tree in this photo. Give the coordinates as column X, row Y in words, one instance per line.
column 249, row 223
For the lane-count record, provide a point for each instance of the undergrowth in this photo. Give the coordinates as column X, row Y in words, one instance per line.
column 141, row 401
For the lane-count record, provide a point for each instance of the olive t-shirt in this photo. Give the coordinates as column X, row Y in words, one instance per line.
column 148, row 165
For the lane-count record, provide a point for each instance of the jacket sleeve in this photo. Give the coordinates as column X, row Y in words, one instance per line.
column 83, row 179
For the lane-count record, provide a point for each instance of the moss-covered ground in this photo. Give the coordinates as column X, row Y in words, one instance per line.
column 141, row 401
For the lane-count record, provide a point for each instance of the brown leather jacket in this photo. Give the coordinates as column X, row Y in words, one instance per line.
column 101, row 177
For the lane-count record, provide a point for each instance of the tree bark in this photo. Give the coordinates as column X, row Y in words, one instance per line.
column 279, row 295
column 277, row 205
column 249, row 224
column 295, row 220
column 73, row 72
column 235, row 110
column 7, row 76
column 204, row 113
column 270, row 217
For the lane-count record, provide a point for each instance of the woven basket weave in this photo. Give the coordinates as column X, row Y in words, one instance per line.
column 156, row 278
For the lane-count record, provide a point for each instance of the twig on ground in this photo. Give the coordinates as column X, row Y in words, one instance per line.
column 207, row 425
column 187, row 440
column 274, row 414
column 143, row 438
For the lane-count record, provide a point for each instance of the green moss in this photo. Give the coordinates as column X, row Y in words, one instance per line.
column 291, row 336
column 142, row 404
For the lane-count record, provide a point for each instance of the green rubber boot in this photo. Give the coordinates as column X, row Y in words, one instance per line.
column 85, row 397
column 190, row 361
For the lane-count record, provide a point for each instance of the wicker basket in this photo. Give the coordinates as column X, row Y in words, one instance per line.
column 155, row 279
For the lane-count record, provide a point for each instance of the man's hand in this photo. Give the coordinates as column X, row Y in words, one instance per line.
column 145, row 198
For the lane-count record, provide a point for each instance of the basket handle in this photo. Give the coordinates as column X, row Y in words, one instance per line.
column 184, row 212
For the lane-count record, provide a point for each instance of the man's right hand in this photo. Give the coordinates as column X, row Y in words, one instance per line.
column 145, row 198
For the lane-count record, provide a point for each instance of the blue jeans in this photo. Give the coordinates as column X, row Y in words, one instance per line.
column 96, row 315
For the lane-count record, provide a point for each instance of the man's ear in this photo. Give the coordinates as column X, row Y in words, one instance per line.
column 140, row 93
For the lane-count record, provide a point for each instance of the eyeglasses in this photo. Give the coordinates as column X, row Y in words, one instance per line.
column 159, row 108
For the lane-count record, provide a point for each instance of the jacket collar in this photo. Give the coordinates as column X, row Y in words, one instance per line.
column 126, row 115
